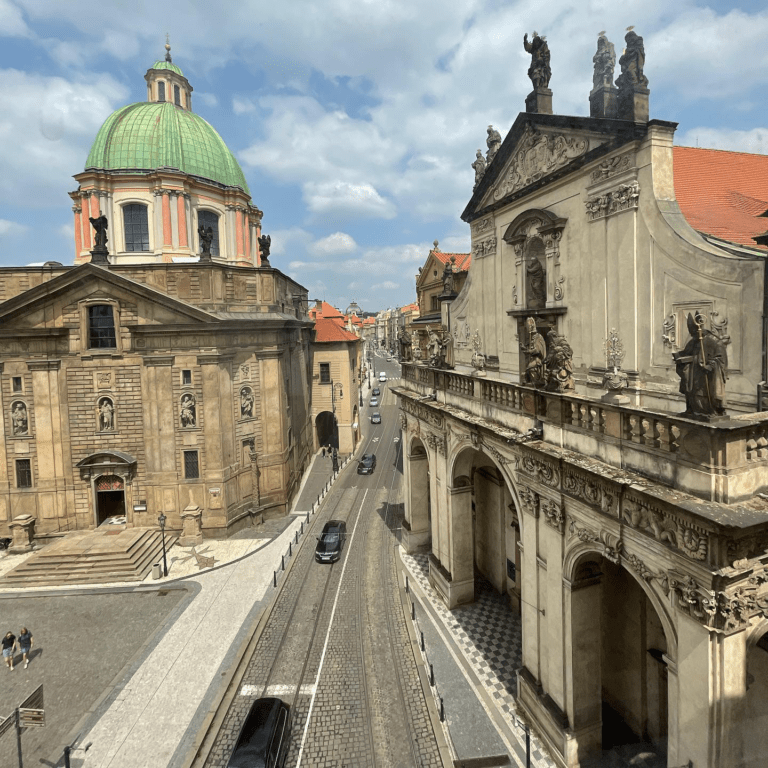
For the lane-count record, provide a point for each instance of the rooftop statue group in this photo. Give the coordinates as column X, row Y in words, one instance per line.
column 493, row 142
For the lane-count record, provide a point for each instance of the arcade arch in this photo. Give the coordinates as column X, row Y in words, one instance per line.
column 754, row 723
column 418, row 509
column 483, row 506
column 327, row 429
column 622, row 660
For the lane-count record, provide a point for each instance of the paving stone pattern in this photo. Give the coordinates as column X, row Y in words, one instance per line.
column 489, row 636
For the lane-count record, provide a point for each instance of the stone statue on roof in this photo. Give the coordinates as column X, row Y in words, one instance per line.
column 632, row 62
column 604, row 61
column 448, row 277
column 494, row 142
column 479, row 165
column 206, row 239
column 100, row 224
column 265, row 243
column 539, row 71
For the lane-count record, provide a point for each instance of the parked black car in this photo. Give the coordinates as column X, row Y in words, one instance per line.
column 331, row 541
column 264, row 738
column 367, row 464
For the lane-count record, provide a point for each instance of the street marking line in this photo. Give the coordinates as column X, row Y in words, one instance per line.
column 327, row 638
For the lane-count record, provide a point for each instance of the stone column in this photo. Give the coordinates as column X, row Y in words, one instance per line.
column 87, row 237
column 77, row 210
column 529, row 581
column 191, row 239
column 158, row 211
column 166, row 216
column 239, row 234
column 229, row 252
column 273, row 461
column 181, row 219
column 173, row 207
column 462, row 557
column 192, row 526
column 416, row 480
column 23, row 532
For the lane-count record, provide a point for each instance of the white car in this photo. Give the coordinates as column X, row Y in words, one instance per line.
column 382, row 377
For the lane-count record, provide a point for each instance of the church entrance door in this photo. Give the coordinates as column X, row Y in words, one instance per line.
column 110, row 498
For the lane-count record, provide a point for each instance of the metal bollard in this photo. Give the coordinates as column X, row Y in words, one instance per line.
column 297, row 535
column 307, row 518
column 407, row 589
column 442, row 715
column 413, row 611
column 290, row 549
column 282, row 561
column 274, row 579
column 302, row 527
column 431, row 674
column 527, row 747
column 422, row 642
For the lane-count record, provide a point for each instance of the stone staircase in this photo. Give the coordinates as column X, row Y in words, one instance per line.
column 105, row 555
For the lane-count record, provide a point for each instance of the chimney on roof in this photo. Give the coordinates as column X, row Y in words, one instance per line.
column 318, row 304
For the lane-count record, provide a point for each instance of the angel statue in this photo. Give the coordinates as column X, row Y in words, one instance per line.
column 100, row 224
column 265, row 243
column 535, row 351
column 539, row 71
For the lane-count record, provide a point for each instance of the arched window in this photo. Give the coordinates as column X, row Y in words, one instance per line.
column 210, row 219
column 136, row 225
column 160, row 90
column 176, row 96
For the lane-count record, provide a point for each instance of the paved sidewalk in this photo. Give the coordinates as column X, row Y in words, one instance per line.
column 152, row 718
column 483, row 640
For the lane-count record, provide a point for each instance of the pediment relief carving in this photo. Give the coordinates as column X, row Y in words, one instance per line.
column 538, row 154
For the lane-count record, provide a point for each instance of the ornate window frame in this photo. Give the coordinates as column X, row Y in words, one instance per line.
column 88, row 352
column 120, row 236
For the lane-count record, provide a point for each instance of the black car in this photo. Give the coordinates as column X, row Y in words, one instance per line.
column 367, row 464
column 331, row 541
column 376, row 392
column 376, row 418
column 264, row 738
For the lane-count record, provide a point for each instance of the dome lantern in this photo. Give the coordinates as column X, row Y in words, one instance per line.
column 166, row 82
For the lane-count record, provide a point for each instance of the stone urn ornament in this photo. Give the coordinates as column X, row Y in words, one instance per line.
column 614, row 379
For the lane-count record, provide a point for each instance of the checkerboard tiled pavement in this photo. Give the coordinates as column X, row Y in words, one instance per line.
column 490, row 638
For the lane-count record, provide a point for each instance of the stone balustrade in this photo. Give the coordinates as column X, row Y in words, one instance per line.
column 714, row 461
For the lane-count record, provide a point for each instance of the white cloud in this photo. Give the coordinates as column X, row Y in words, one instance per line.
column 50, row 122
column 208, row 99
column 754, row 140
column 346, row 200
column 11, row 228
column 338, row 242
column 12, row 22
column 386, row 285
column 242, row 106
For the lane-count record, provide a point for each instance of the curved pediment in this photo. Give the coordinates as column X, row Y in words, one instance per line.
column 107, row 457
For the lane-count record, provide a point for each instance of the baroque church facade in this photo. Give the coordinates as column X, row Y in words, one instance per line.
column 608, row 472
column 168, row 367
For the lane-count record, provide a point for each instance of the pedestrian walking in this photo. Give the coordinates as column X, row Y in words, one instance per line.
column 323, row 451
column 25, row 645
column 9, row 646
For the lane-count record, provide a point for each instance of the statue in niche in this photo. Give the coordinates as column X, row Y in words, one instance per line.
column 404, row 339
column 448, row 277
column 536, row 277
column 702, row 366
column 494, row 142
column 632, row 62
column 246, row 402
column 188, row 411
column 604, row 61
column 479, row 165
column 536, row 352
column 559, row 363
column 206, row 238
column 100, row 224
column 19, row 419
column 106, row 415
column 539, row 71
column 265, row 243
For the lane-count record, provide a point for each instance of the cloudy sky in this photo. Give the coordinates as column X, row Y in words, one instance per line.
column 355, row 121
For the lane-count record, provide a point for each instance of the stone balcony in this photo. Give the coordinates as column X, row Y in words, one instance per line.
column 723, row 461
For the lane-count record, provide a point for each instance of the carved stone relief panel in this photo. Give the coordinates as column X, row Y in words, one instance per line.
column 543, row 471
column 624, row 198
column 425, row 414
column 553, row 514
column 590, row 491
column 611, row 166
column 529, row 500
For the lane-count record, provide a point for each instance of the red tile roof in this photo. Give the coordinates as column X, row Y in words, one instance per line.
column 463, row 260
column 326, row 310
column 328, row 329
column 721, row 193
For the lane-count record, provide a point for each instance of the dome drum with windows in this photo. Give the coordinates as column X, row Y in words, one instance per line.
column 158, row 172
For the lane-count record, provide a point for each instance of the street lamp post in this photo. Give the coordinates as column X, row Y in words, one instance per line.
column 335, row 459
column 162, row 520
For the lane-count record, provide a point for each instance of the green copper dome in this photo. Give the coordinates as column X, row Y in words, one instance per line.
column 151, row 135
column 167, row 65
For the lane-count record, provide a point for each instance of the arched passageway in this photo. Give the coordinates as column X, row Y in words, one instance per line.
column 418, row 518
column 754, row 726
column 327, row 429
column 483, row 505
column 620, row 676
